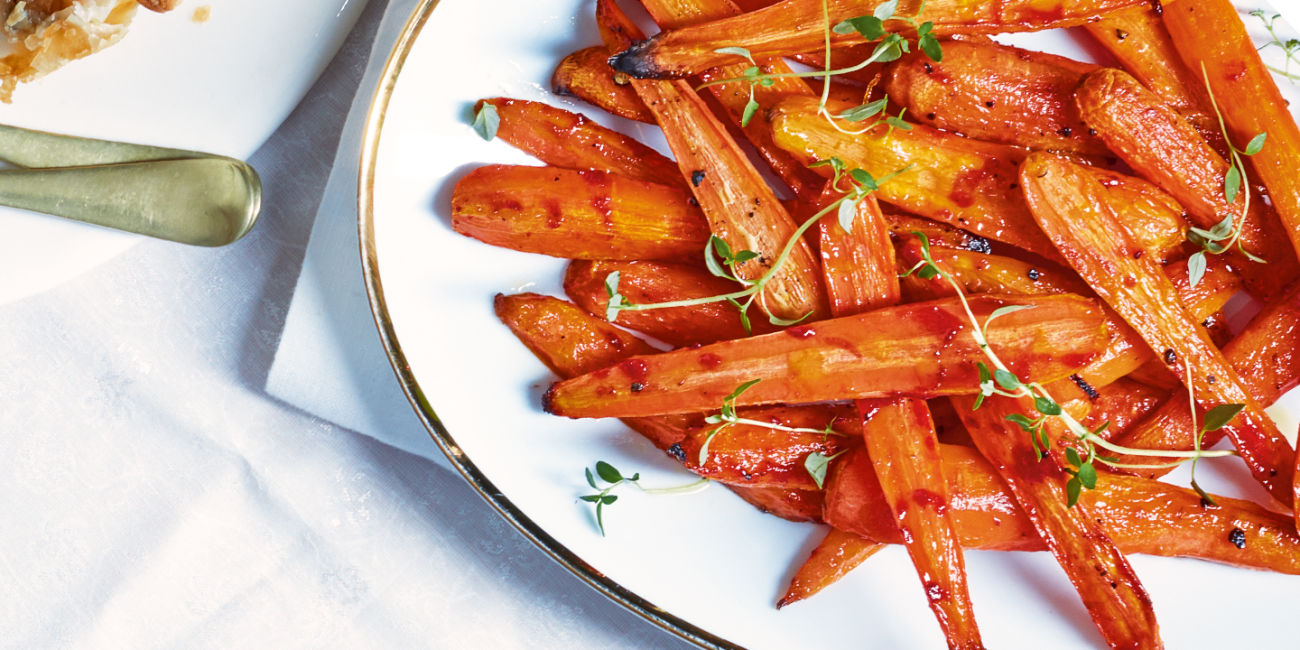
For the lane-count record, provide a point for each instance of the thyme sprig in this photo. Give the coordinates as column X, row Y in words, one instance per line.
column 890, row 46
column 612, row 478
column 997, row 379
column 723, row 262
column 727, row 417
column 1227, row 233
column 1290, row 47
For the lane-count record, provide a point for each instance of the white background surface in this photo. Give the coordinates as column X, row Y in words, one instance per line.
column 153, row 496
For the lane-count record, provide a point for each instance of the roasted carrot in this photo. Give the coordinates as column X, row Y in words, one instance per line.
column 794, row 26
column 1148, row 213
column 845, row 57
column 997, row 93
column 792, row 505
column 833, row 558
column 1267, row 357
column 1140, row 515
column 1120, row 405
column 916, row 350
column 563, row 139
column 1073, row 211
column 735, row 96
column 586, row 74
column 1162, row 146
column 572, row 342
column 1110, row 589
column 962, row 182
column 941, row 235
column 983, row 273
column 1137, row 39
column 752, row 455
column 858, row 264
column 724, row 180
column 577, row 214
column 901, row 442
column 650, row 282
column 1210, row 36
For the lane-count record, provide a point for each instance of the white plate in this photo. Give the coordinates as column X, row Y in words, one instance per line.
column 223, row 85
column 706, row 566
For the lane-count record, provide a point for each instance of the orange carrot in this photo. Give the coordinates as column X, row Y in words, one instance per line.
column 586, row 74
column 577, row 214
column 833, row 558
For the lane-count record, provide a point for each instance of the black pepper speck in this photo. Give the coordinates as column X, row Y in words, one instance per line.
column 675, row 450
column 1237, row 537
column 697, row 177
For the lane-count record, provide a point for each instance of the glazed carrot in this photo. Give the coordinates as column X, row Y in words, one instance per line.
column 962, row 182
column 833, row 558
column 1115, row 599
column 899, row 433
column 586, row 74
column 795, row 26
column 1140, row 515
column 751, row 455
column 916, row 350
column 1267, row 357
column 1121, row 405
column 734, row 97
column 1209, row 33
column 1072, row 210
column 563, row 139
column 577, row 214
column 844, row 57
column 997, row 93
column 1148, row 213
column 858, row 264
column 792, row 505
column 723, row 180
column 983, row 273
column 901, row 442
column 1162, row 146
column 1137, row 39
column 941, row 235
column 650, row 282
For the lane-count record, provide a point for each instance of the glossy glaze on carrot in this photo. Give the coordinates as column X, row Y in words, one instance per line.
column 794, row 26
column 586, row 74
column 1110, row 589
column 833, row 558
column 564, row 139
column 578, row 214
column 916, row 350
column 752, row 455
column 1073, row 211
column 738, row 204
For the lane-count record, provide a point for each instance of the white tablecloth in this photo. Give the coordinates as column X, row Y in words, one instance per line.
column 153, row 494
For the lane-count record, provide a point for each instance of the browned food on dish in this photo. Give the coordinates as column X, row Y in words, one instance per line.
column 45, row 35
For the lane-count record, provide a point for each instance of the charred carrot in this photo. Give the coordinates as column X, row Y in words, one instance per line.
column 1137, row 39
column 586, row 74
column 1115, row 598
column 577, row 214
column 833, row 558
column 652, row 282
column 1073, row 211
column 1140, row 515
column 792, row 26
column 1210, row 36
column 563, row 139
column 916, row 350
column 962, row 182
column 941, row 235
column 997, row 93
column 736, row 97
column 738, row 204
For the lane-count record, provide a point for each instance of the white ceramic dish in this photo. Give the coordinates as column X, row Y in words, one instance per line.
column 222, row 85
column 708, row 566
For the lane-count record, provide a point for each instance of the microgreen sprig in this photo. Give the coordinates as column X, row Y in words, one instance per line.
column 1224, row 235
column 1290, row 47
column 997, row 379
column 612, row 478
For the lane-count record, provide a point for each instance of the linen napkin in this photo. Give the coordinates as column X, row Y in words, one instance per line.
column 330, row 361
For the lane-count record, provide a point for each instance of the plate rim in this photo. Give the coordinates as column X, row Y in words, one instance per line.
column 370, row 141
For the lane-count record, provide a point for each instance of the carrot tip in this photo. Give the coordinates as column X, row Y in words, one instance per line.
column 638, row 61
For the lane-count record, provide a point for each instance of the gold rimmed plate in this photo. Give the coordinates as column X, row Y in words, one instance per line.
column 707, row 567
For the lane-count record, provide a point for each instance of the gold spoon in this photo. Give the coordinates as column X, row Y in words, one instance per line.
column 183, row 196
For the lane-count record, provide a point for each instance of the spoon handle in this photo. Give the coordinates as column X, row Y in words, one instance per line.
column 199, row 201
column 28, row 148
